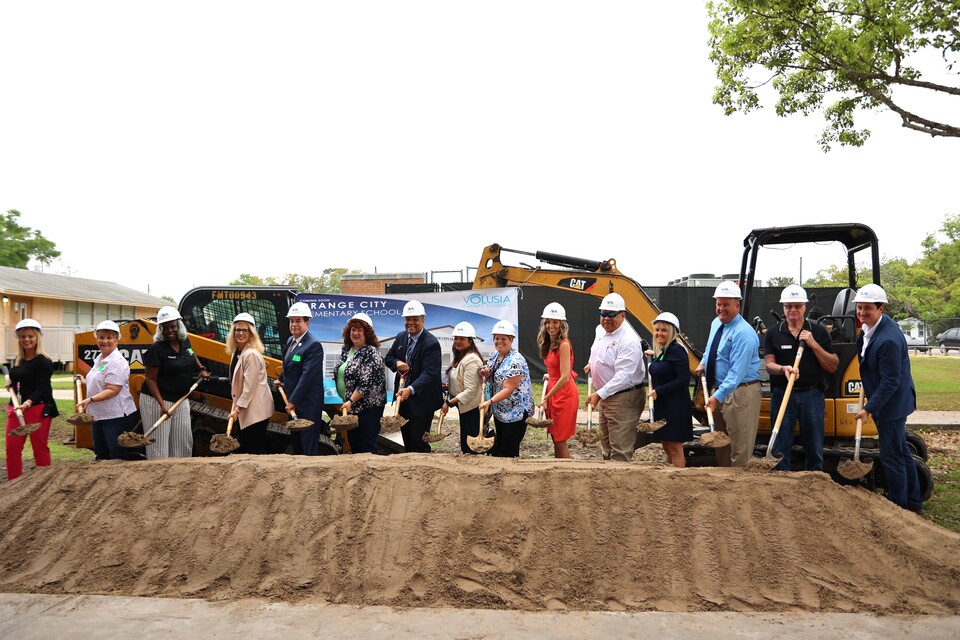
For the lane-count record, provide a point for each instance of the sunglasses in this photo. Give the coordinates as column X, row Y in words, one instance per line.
column 610, row 314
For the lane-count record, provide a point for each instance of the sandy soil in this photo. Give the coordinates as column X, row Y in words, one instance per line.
column 473, row 532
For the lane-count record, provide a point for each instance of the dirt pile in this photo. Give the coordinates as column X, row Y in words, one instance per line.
column 442, row 531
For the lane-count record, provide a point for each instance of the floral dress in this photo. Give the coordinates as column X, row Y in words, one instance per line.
column 520, row 403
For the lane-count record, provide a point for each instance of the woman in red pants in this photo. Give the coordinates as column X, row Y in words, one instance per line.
column 30, row 378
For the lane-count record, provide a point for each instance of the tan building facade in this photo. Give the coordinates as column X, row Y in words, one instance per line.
column 64, row 306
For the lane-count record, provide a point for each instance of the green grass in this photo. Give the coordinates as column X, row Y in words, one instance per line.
column 60, row 430
column 937, row 380
column 62, row 381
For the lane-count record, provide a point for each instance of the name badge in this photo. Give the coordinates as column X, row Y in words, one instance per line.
column 786, row 347
column 190, row 350
column 101, row 367
column 296, row 358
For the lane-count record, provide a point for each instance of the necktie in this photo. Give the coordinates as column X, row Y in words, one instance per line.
column 712, row 358
column 410, row 345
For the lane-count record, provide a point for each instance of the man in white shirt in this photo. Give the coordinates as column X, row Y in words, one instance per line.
column 616, row 364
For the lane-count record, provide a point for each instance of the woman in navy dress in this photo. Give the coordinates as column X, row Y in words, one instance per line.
column 670, row 374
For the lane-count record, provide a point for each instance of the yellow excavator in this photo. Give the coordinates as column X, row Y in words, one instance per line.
column 596, row 278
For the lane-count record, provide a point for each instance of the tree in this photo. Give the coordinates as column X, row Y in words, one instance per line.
column 853, row 52
column 19, row 245
column 327, row 282
column 779, row 281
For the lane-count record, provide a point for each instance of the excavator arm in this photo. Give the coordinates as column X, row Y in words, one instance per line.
column 589, row 277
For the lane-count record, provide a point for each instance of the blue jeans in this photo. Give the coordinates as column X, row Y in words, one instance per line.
column 807, row 407
column 903, row 485
column 105, row 434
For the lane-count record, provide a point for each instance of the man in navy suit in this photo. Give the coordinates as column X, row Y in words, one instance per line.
column 302, row 379
column 415, row 355
column 891, row 396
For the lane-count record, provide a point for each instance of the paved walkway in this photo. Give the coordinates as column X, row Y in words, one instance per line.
column 29, row 617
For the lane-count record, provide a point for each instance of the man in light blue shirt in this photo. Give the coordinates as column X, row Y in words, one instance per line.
column 732, row 367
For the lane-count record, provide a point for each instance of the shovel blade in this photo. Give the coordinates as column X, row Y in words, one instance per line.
column 854, row 469
column 221, row 443
column 715, row 439
column 25, row 430
column 133, row 440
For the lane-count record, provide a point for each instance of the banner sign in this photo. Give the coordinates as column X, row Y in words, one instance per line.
column 481, row 308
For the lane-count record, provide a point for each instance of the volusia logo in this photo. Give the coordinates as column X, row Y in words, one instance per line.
column 484, row 300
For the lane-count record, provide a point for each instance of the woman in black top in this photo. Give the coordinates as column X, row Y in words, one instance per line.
column 171, row 367
column 30, row 378
column 670, row 374
column 361, row 382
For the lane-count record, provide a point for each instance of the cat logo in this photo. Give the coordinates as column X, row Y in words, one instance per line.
column 580, row 284
column 853, row 387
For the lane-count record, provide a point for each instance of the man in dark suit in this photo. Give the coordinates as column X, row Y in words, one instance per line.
column 891, row 396
column 415, row 355
column 302, row 379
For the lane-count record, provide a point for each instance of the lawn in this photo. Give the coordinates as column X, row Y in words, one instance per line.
column 937, row 380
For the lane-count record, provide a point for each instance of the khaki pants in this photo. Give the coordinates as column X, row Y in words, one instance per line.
column 738, row 417
column 619, row 415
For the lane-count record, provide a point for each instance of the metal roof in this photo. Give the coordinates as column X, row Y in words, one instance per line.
column 47, row 285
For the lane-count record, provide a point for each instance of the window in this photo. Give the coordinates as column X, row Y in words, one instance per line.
column 87, row 313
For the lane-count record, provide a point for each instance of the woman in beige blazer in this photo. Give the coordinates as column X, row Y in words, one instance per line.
column 466, row 390
column 252, row 400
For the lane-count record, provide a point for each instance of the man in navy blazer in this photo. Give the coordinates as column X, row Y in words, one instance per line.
column 415, row 354
column 302, row 379
column 891, row 396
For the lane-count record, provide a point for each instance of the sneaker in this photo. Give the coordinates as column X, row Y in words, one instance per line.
column 917, row 509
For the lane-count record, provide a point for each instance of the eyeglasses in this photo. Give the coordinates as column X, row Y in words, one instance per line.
column 610, row 314
column 793, row 306
column 241, row 331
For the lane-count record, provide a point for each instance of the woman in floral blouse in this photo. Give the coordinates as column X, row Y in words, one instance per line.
column 361, row 382
column 511, row 394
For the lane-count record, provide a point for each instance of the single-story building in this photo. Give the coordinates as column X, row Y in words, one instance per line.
column 64, row 306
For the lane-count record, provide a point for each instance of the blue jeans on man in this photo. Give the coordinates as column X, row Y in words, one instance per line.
column 806, row 406
column 903, row 484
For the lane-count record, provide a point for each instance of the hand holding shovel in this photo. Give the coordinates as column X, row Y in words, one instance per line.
column 297, row 424
column 589, row 435
column 81, row 417
column 651, row 426
column 768, row 462
column 482, row 443
column 24, row 429
column 390, row 424
column 132, row 439
column 429, row 436
column 855, row 469
column 541, row 420
column 715, row 439
column 221, row 443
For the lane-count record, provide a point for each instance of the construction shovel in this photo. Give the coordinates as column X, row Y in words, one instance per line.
column 768, row 462
column 133, row 440
column 714, row 439
column 855, row 469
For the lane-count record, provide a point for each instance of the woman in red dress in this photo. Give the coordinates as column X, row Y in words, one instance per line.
column 562, row 398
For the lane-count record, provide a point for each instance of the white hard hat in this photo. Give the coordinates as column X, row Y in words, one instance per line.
column 871, row 293
column 245, row 317
column 28, row 323
column 613, row 302
column 413, row 308
column 727, row 289
column 300, row 310
column 669, row 318
column 793, row 293
column 108, row 325
column 554, row 311
column 166, row 314
column 362, row 317
column 465, row 330
column 504, row 328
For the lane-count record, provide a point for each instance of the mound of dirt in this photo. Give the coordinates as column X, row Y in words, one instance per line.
column 457, row 531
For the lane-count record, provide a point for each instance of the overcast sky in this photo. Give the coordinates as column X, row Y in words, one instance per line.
column 177, row 144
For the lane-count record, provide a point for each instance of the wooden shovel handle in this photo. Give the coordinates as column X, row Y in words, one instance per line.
column 176, row 404
column 293, row 412
column 791, row 379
